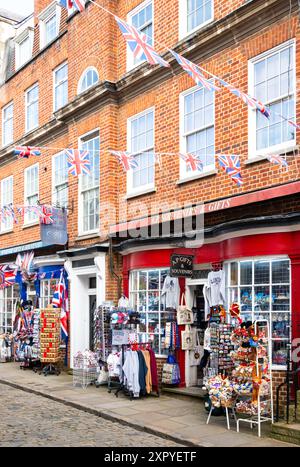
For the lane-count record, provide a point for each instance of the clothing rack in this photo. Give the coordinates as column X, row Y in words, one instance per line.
column 122, row 387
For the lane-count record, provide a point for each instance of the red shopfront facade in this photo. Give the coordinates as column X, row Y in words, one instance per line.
column 282, row 245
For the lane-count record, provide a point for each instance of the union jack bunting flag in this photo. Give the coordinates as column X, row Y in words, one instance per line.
column 295, row 125
column 24, row 152
column 78, row 4
column 137, row 42
column 9, row 211
column 278, row 160
column 61, row 300
column 127, row 160
column 78, row 162
column 7, row 276
column 192, row 161
column 46, row 214
column 250, row 101
column 232, row 166
column 194, row 71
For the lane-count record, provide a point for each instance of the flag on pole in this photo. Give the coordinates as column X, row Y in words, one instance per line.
column 127, row 160
column 278, row 160
column 192, row 161
column 78, row 162
column 194, row 71
column 232, row 166
column 137, row 42
column 78, row 4
column 24, row 152
column 250, row 101
column 61, row 300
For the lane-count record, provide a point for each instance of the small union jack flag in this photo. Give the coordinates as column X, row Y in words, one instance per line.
column 7, row 276
column 192, row 161
column 194, row 71
column 46, row 214
column 9, row 211
column 137, row 41
column 295, row 125
column 232, row 166
column 278, row 160
column 78, row 4
column 250, row 101
column 127, row 160
column 24, row 152
column 78, row 162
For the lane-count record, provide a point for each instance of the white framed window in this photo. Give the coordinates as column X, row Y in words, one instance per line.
column 8, row 298
column 262, row 287
column 31, row 194
column 140, row 135
column 142, row 19
column 24, row 47
column 60, row 87
column 89, row 186
column 145, row 287
column 60, row 180
column 7, row 198
column 272, row 80
column 194, row 14
column 8, row 124
column 49, row 24
column 32, row 108
column 89, row 78
column 197, row 128
column 48, row 287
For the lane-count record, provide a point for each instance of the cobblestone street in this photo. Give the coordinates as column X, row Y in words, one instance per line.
column 31, row 420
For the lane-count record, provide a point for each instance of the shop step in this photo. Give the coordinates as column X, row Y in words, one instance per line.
column 192, row 392
column 290, row 433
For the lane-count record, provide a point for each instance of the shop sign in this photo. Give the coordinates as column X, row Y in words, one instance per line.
column 120, row 337
column 181, row 266
column 56, row 233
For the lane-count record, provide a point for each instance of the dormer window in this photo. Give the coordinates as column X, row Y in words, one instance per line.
column 24, row 44
column 49, row 24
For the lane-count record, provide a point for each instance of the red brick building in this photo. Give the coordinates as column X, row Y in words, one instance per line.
column 72, row 82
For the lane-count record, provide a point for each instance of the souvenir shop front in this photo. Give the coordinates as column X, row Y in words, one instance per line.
column 259, row 272
column 28, row 283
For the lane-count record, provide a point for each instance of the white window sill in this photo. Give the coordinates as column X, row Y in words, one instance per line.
column 3, row 232
column 197, row 176
column 30, row 224
column 278, row 368
column 88, row 235
column 31, row 130
column 135, row 194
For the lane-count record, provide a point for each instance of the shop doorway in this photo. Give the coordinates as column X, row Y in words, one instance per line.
column 92, row 307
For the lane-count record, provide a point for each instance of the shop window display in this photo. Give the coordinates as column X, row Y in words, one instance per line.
column 8, row 298
column 145, row 297
column 262, row 287
column 48, row 287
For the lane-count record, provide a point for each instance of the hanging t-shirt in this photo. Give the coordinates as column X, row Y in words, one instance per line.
column 170, row 292
column 114, row 364
column 216, row 286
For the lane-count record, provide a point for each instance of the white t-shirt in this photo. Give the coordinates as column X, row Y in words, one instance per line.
column 171, row 292
column 113, row 364
column 216, row 286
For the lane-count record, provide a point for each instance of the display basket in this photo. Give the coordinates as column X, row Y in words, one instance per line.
column 85, row 370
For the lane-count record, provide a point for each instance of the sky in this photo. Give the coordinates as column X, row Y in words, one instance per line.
column 23, row 7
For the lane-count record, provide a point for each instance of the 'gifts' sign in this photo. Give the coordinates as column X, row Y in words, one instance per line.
column 181, row 266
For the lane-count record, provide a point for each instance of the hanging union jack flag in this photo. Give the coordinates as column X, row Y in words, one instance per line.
column 278, row 160
column 137, row 42
column 232, row 166
column 7, row 276
column 127, row 160
column 24, row 152
column 78, row 162
column 61, row 300
column 192, row 161
column 45, row 215
column 250, row 101
column 78, row 4
column 194, row 71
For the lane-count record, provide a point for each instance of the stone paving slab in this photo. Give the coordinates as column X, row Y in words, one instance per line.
column 182, row 421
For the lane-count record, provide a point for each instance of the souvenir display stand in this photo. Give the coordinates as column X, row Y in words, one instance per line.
column 50, row 340
column 85, row 369
column 6, row 347
column 258, row 405
column 26, row 336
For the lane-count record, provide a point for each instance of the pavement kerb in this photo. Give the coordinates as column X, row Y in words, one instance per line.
column 103, row 414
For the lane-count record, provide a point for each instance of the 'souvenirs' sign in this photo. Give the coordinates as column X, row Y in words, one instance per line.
column 181, row 266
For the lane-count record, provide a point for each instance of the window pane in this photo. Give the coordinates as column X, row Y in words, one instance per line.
column 246, row 299
column 233, row 273
column 279, row 354
column 280, row 325
column 281, row 298
column 262, row 299
column 280, row 272
column 246, row 272
column 261, row 272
